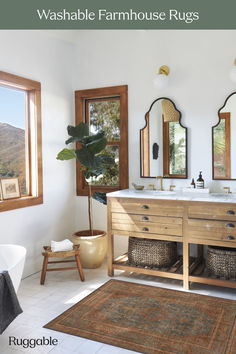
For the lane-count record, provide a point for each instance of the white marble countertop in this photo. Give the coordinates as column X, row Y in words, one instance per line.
column 175, row 195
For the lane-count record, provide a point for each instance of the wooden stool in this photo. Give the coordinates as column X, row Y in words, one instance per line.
column 63, row 254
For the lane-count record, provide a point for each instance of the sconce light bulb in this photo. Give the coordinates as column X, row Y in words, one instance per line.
column 233, row 74
column 161, row 81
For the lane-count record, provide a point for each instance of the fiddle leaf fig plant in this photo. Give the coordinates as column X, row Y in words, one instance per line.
column 89, row 154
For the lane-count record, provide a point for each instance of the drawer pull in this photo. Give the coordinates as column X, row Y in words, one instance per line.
column 145, row 229
column 145, row 207
column 145, row 218
column 230, row 212
column 230, row 225
column 230, row 237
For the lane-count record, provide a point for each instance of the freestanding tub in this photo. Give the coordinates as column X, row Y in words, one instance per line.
column 12, row 259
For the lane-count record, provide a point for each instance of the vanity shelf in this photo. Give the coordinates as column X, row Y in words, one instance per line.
column 175, row 271
column 184, row 220
column 197, row 271
column 200, row 275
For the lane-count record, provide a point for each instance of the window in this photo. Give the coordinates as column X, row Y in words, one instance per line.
column 20, row 138
column 106, row 109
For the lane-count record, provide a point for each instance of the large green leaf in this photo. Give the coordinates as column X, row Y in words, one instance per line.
column 97, row 136
column 88, row 139
column 104, row 160
column 72, row 139
column 66, row 154
column 97, row 145
column 85, row 157
column 79, row 131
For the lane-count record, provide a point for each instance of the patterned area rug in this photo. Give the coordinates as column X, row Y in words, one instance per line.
column 152, row 320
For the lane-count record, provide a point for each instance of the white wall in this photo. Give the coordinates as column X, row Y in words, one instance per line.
column 33, row 55
column 156, row 134
column 199, row 63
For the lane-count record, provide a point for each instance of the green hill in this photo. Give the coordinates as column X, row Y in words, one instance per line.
column 12, row 153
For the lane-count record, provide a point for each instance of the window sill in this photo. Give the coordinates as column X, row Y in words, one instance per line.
column 105, row 189
column 22, row 202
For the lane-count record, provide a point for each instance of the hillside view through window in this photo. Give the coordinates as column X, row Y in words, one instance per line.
column 13, row 161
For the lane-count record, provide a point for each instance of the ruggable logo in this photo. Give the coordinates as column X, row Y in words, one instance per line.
column 32, row 342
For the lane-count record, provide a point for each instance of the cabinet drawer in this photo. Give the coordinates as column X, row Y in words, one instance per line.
column 145, row 207
column 212, row 230
column 147, row 224
column 212, row 212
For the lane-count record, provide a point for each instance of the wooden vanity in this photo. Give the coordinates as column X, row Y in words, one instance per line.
column 179, row 219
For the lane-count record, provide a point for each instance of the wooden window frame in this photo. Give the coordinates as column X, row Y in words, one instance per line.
column 34, row 136
column 120, row 92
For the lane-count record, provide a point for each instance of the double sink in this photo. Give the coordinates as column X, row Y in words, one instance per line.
column 188, row 195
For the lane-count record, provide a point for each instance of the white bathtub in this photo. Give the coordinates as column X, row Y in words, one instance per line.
column 12, row 258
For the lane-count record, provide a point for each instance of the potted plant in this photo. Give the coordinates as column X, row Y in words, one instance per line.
column 93, row 243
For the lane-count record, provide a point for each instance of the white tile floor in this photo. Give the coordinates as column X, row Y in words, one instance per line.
column 63, row 289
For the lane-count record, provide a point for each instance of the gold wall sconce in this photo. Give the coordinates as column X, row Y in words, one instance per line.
column 233, row 72
column 161, row 80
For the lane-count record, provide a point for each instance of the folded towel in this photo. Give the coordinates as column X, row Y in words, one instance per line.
column 9, row 304
column 65, row 245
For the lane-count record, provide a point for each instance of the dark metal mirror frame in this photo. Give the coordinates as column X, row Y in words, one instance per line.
column 186, row 139
column 212, row 140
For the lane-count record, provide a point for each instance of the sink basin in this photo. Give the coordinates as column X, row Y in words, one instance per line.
column 164, row 192
column 223, row 195
column 157, row 192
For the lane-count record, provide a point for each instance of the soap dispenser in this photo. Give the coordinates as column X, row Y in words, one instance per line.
column 200, row 181
column 192, row 185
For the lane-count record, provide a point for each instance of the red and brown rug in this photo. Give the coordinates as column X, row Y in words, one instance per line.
column 152, row 320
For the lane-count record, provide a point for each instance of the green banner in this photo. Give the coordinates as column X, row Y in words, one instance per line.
column 110, row 14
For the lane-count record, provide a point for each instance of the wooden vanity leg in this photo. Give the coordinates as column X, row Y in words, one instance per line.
column 110, row 240
column 110, row 255
column 186, row 264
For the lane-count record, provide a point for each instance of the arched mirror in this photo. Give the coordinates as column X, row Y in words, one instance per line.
column 224, row 141
column 163, row 141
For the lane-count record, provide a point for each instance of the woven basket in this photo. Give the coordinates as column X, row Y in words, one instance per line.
column 221, row 262
column 152, row 253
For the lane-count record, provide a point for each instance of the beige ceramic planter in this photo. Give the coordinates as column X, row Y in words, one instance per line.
column 92, row 248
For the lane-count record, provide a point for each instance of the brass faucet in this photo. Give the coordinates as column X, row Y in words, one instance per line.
column 161, row 182
column 152, row 187
column 228, row 190
column 171, row 187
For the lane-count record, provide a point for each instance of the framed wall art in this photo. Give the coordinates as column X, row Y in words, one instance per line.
column 10, row 188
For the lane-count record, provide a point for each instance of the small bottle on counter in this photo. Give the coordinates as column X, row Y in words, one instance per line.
column 200, row 181
column 192, row 185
